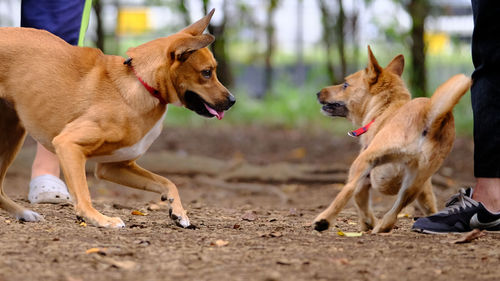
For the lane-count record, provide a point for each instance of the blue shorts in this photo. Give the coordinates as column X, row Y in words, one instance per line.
column 60, row 17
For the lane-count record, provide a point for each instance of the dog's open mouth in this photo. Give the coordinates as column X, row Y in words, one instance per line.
column 195, row 103
column 335, row 109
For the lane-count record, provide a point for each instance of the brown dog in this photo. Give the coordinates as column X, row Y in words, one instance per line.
column 82, row 104
column 404, row 143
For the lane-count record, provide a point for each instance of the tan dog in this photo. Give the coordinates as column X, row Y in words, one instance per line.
column 82, row 104
column 404, row 144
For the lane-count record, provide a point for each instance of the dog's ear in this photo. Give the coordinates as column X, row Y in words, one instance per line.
column 396, row 65
column 198, row 27
column 186, row 46
column 373, row 69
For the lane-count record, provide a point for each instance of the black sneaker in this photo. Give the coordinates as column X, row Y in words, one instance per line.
column 462, row 214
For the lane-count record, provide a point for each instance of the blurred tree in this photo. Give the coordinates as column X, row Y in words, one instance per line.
column 219, row 46
column 99, row 42
column 300, row 71
column 181, row 6
column 333, row 35
column 418, row 10
column 272, row 5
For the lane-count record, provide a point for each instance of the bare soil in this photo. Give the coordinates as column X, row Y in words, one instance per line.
column 241, row 234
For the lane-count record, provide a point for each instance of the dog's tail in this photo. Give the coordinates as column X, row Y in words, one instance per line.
column 446, row 97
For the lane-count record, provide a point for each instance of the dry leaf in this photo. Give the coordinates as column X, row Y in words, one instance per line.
column 138, row 213
column 96, row 250
column 154, row 207
column 469, row 236
column 349, row 234
column 404, row 215
column 275, row 234
column 84, row 224
column 127, row 265
column 249, row 216
column 220, row 243
column 298, row 153
column 341, row 261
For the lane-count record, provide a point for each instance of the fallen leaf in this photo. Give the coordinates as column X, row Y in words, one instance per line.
column 349, row 234
column 298, row 153
column 84, row 224
column 154, row 207
column 121, row 207
column 127, row 265
column 284, row 262
column 96, row 250
column 275, row 234
column 138, row 213
column 404, row 215
column 236, row 226
column 341, row 261
column 220, row 243
column 249, row 216
column 469, row 236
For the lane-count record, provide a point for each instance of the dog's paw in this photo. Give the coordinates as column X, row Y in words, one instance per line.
column 28, row 215
column 321, row 225
column 107, row 222
column 181, row 220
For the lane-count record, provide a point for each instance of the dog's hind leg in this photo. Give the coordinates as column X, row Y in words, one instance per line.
column 132, row 175
column 11, row 140
column 410, row 189
column 426, row 199
column 363, row 204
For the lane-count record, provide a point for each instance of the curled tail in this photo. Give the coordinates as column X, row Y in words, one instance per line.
column 446, row 97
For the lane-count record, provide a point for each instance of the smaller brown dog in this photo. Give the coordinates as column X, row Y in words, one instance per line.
column 404, row 143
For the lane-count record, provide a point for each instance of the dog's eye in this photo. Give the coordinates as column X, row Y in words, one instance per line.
column 207, row 73
column 345, row 85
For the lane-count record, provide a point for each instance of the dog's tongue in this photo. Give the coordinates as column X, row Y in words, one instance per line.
column 214, row 112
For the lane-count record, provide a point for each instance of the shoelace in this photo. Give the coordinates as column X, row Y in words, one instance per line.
column 457, row 202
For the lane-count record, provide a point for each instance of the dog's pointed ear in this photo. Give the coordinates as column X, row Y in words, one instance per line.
column 373, row 69
column 396, row 65
column 198, row 27
column 186, row 46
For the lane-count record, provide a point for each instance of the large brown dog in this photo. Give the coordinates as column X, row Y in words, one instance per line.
column 82, row 104
column 404, row 143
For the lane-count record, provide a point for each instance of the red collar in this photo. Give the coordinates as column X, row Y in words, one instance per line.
column 154, row 92
column 360, row 131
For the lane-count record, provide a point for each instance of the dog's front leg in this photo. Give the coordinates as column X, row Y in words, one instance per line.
column 132, row 175
column 72, row 161
column 357, row 174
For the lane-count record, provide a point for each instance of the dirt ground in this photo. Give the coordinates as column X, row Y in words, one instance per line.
column 241, row 235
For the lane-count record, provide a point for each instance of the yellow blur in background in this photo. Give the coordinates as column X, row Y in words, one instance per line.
column 133, row 21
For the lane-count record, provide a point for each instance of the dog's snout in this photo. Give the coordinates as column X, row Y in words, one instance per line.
column 318, row 94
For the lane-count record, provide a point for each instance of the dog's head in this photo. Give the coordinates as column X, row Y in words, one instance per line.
column 183, row 70
column 364, row 90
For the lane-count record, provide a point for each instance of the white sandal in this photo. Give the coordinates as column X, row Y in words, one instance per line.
column 48, row 189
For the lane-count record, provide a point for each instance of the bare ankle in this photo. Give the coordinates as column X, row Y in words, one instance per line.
column 487, row 191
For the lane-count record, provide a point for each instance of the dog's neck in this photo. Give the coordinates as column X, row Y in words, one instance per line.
column 131, row 88
column 381, row 109
column 154, row 92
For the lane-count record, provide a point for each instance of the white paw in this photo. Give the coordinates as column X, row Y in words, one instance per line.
column 184, row 222
column 114, row 223
column 28, row 215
